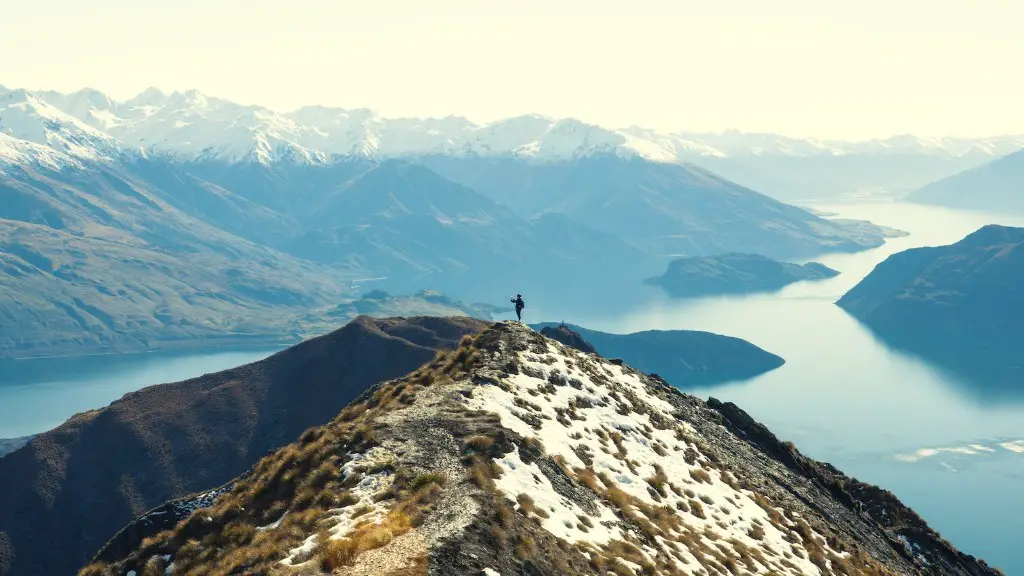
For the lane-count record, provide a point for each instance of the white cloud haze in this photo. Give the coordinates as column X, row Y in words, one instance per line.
column 826, row 68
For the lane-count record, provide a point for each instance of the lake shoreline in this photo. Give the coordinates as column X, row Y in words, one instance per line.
column 185, row 346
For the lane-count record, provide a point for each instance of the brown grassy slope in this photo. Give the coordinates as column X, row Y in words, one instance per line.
column 73, row 487
column 403, row 483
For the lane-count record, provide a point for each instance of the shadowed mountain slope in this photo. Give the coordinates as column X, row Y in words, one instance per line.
column 997, row 185
column 73, row 487
column 960, row 306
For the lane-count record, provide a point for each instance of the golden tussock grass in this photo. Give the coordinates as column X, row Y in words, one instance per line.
column 334, row 554
column 155, row 567
column 478, row 443
column 528, row 507
column 525, row 547
column 700, row 475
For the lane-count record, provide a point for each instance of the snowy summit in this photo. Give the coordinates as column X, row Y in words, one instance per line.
column 518, row 455
column 192, row 126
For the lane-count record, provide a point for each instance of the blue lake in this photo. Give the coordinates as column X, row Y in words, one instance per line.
column 37, row 395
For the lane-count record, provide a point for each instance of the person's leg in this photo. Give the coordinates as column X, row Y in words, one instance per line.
column 519, row 314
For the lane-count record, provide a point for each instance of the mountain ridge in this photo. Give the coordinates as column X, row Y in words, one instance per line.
column 74, row 486
column 516, row 454
column 168, row 123
column 667, row 209
column 189, row 437
column 995, row 185
column 148, row 249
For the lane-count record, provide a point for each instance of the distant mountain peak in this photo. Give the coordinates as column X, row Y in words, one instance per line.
column 993, row 235
column 190, row 124
column 148, row 96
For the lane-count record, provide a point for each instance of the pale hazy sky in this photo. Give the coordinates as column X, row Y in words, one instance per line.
column 829, row 68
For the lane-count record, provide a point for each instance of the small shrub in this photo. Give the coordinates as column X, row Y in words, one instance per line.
column 532, row 443
column 427, row 479
column 337, row 553
column 155, row 567
column 499, row 535
column 658, row 481
column 346, row 499
column 528, row 507
column 479, row 443
column 700, row 475
column 483, row 472
column 96, row 569
column 697, row 509
column 525, row 547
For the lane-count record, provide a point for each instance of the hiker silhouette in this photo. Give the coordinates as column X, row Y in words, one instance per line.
column 518, row 301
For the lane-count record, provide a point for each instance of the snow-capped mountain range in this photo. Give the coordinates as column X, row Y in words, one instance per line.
column 53, row 127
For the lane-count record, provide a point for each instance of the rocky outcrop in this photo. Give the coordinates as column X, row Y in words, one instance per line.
column 566, row 336
column 517, row 454
column 71, row 489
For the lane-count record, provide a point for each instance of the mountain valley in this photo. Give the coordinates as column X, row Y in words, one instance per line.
column 183, row 220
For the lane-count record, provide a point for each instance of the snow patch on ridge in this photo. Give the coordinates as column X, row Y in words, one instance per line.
column 365, row 510
column 591, row 413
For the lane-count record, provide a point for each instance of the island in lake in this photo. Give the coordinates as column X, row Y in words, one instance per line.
column 734, row 274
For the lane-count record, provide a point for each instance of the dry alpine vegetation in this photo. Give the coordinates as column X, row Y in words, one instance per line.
column 518, row 455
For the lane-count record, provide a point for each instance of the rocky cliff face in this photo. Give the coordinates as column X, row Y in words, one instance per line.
column 517, row 454
column 74, row 487
column 569, row 337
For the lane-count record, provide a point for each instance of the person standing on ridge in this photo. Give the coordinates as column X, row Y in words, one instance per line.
column 518, row 301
